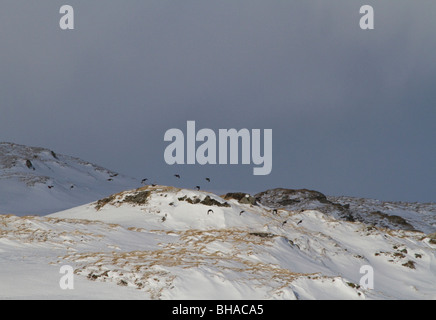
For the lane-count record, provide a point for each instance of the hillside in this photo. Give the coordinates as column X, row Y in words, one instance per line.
column 383, row 214
column 39, row 181
column 163, row 243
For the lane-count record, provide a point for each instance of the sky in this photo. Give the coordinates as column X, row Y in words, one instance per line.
column 352, row 111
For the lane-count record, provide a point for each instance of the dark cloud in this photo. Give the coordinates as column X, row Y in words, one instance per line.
column 352, row 111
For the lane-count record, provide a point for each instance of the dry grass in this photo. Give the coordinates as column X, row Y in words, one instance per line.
column 33, row 229
column 224, row 251
column 138, row 196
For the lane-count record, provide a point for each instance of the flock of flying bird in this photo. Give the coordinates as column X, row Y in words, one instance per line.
column 274, row 211
column 143, row 181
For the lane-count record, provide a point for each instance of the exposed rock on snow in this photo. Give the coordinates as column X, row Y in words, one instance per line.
column 391, row 215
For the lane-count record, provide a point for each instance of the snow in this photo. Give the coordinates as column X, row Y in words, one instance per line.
column 422, row 216
column 54, row 182
column 122, row 249
column 161, row 243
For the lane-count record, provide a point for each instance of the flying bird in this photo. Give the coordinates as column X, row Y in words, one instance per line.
column 209, row 211
column 241, row 212
column 207, row 179
column 299, row 222
column 198, row 188
column 284, row 222
column 50, row 187
column 275, row 211
column 143, row 180
column 177, row 176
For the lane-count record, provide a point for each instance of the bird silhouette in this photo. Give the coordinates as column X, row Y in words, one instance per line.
column 241, row 212
column 275, row 211
column 299, row 222
column 143, row 180
column 284, row 222
column 177, row 176
column 209, row 211
column 198, row 188
column 207, row 179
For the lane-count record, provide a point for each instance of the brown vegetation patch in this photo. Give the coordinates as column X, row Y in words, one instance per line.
column 139, row 197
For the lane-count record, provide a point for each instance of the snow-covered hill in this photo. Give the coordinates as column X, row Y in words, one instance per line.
column 39, row 181
column 168, row 243
column 394, row 215
column 391, row 215
column 160, row 242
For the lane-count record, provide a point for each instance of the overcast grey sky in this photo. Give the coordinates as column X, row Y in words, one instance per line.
column 353, row 112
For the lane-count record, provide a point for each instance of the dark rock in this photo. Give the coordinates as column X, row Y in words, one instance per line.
column 241, row 197
column 29, row 165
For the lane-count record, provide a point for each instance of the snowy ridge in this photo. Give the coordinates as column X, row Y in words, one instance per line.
column 163, row 243
column 394, row 215
column 39, row 181
column 383, row 214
